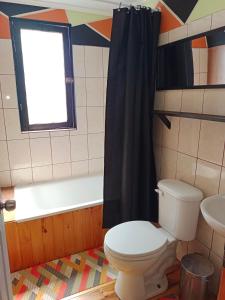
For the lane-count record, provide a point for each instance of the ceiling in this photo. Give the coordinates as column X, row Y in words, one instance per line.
column 104, row 7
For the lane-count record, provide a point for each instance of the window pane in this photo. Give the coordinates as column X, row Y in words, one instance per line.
column 44, row 70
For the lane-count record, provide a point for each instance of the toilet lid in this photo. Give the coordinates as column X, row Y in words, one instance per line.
column 135, row 238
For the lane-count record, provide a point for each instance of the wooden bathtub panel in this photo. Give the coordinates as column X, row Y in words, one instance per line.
column 48, row 238
column 13, row 244
column 80, row 224
column 68, row 233
column 24, row 232
column 38, row 241
column 58, row 236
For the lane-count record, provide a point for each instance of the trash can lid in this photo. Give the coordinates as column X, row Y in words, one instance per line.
column 197, row 265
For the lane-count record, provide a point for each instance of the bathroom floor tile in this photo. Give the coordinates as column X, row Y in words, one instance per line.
column 63, row 277
column 106, row 291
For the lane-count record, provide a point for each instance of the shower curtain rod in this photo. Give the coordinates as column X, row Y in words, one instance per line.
column 138, row 6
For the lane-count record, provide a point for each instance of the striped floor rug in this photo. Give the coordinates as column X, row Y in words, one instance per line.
column 62, row 277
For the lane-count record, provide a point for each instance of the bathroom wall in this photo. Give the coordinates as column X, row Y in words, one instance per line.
column 193, row 150
column 33, row 157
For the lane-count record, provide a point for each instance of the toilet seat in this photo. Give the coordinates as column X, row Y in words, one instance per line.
column 135, row 240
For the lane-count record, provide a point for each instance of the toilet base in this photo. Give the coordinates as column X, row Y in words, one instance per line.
column 156, row 288
column 132, row 287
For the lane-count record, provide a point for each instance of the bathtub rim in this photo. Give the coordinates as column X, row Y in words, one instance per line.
column 53, row 212
column 56, row 211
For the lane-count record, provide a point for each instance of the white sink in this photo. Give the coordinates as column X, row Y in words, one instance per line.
column 213, row 210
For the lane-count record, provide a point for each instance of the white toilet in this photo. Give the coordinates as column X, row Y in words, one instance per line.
column 142, row 253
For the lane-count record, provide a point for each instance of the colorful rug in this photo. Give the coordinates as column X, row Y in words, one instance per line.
column 63, row 277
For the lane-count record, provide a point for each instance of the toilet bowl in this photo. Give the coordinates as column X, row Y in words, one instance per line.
column 138, row 250
column 142, row 253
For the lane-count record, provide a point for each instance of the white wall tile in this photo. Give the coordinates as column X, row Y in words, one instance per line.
column 62, row 132
column 78, row 61
column 79, row 147
column 19, row 154
column 96, row 165
column 2, row 126
column 196, row 59
column 4, row 159
column 7, row 64
column 182, row 249
column 199, row 26
column 8, row 90
column 168, row 163
column 43, row 173
column 62, row 171
column 203, row 60
column 80, row 168
column 189, row 136
column 192, row 101
column 173, row 100
column 211, row 142
column 40, row 151
column 204, row 232
column 95, row 91
column 218, row 244
column 12, row 123
column 93, row 61
column 80, row 92
column 5, row 179
column 214, row 102
column 159, row 100
column 21, row 176
column 207, row 177
column 81, row 113
column 218, row 19
column 95, row 119
column 203, row 78
column 186, row 167
column 163, row 38
column 196, row 246
column 60, row 149
column 96, row 145
column 33, row 148
column 170, row 136
column 38, row 134
column 178, row 33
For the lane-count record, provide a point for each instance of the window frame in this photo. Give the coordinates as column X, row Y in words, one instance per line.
column 16, row 24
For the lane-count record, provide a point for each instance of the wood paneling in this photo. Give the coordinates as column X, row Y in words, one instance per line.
column 15, row 258
column 45, row 239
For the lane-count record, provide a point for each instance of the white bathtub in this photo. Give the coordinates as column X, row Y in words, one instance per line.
column 45, row 199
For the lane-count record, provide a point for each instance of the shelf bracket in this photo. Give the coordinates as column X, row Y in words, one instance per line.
column 165, row 120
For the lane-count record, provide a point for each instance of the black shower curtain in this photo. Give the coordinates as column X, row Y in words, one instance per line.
column 129, row 175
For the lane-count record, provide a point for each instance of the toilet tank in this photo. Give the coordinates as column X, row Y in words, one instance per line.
column 179, row 205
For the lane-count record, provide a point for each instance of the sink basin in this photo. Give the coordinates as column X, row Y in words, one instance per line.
column 213, row 210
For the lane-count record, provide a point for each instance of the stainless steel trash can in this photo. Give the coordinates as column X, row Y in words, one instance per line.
column 196, row 271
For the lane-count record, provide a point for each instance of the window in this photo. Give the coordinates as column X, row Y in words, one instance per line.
column 44, row 74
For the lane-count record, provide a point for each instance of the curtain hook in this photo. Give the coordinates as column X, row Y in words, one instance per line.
column 120, row 5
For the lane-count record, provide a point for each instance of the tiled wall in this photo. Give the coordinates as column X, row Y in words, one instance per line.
column 193, row 150
column 40, row 156
column 200, row 61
